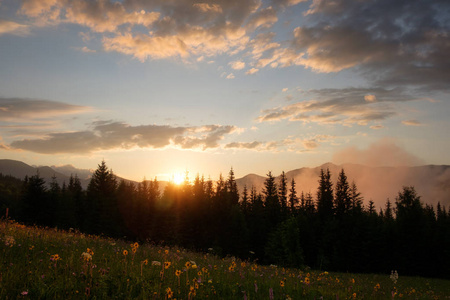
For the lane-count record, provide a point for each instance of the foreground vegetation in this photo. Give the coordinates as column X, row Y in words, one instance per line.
column 43, row 263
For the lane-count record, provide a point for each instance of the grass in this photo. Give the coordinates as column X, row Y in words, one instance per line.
column 39, row 263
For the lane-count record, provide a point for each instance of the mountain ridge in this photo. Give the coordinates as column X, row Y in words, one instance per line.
column 432, row 182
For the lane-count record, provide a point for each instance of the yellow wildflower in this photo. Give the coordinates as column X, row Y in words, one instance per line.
column 125, row 252
column 188, row 264
column 136, row 245
column 169, row 293
column 281, row 283
column 167, row 264
column 177, row 273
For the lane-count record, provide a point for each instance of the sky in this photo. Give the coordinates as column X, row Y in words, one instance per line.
column 158, row 88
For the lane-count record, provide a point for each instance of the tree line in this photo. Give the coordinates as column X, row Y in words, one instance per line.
column 331, row 230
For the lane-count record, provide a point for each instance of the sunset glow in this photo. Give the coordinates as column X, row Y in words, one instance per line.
column 150, row 86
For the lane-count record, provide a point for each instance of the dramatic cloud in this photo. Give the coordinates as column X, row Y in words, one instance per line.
column 384, row 152
column 115, row 135
column 345, row 106
column 392, row 42
column 18, row 109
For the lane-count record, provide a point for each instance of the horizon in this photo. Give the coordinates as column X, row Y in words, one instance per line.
column 158, row 88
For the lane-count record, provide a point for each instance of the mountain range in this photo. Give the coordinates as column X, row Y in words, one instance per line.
column 432, row 182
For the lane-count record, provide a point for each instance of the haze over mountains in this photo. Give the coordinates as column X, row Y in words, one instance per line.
column 432, row 182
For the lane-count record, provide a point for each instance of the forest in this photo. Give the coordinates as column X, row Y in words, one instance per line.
column 330, row 230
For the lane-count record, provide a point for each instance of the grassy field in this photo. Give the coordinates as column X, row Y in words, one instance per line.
column 39, row 263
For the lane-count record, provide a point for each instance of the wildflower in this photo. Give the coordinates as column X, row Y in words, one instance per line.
column 86, row 256
column 135, row 245
column 307, row 280
column 169, row 292
column 188, row 264
column 354, row 295
column 166, row 251
column 156, row 263
column 352, row 281
column 243, row 264
column 24, row 293
column 125, row 252
column 271, row 294
column 167, row 264
column 256, row 287
column 376, row 287
column 177, row 273
column 55, row 257
column 90, row 251
column 281, row 283
column 145, row 262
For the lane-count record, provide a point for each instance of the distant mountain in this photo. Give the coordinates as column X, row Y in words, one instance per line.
column 71, row 170
column 20, row 169
column 431, row 182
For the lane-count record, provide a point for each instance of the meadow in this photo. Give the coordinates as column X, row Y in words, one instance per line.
column 44, row 263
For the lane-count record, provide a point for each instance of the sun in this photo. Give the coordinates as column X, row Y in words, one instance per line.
column 178, row 178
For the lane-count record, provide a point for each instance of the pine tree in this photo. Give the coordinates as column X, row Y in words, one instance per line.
column 282, row 193
column 325, row 196
column 343, row 199
column 293, row 200
column 356, row 199
column 101, row 193
column 272, row 204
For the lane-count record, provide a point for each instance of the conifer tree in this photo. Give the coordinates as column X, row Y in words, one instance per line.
column 343, row 199
column 282, row 193
column 325, row 196
column 293, row 200
column 271, row 202
column 101, row 193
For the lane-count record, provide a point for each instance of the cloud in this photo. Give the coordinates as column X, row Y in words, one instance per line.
column 86, row 50
column 9, row 27
column 384, row 152
column 18, row 109
column 206, row 8
column 411, row 123
column 107, row 135
column 264, row 18
column 344, row 106
column 252, row 71
column 230, row 76
column 370, row 98
column 242, row 145
column 391, row 42
column 171, row 29
column 237, row 65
